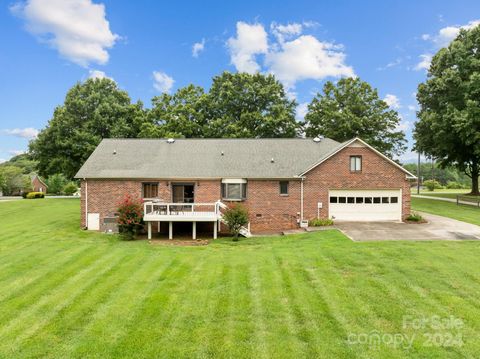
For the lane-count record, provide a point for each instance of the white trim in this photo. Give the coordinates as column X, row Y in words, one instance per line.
column 346, row 144
column 234, row 180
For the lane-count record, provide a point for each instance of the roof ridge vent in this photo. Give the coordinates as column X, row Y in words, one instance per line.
column 171, row 140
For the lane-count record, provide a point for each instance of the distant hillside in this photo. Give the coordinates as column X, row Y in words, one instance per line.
column 23, row 161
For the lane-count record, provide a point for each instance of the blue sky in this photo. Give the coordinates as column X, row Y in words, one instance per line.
column 149, row 46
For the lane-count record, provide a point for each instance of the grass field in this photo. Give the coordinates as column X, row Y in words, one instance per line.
column 68, row 293
column 465, row 213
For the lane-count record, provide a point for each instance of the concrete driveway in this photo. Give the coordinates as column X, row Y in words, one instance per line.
column 437, row 228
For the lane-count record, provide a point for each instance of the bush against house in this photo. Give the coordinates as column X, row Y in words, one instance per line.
column 130, row 216
column 236, row 217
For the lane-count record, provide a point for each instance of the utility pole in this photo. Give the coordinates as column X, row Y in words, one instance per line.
column 418, row 174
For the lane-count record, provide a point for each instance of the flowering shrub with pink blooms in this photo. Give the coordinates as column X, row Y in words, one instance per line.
column 130, row 216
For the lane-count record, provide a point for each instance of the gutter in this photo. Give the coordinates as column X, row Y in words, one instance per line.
column 86, row 203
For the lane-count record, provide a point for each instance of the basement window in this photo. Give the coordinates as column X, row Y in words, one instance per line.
column 234, row 189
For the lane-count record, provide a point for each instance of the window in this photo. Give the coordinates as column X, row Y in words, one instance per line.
column 368, row 200
column 376, row 199
column 284, row 188
column 150, row 190
column 350, row 199
column 355, row 163
column 342, row 199
column 234, row 189
column 333, row 199
column 393, row 199
column 385, row 199
column 359, row 200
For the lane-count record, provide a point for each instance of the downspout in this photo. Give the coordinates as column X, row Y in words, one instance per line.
column 301, row 200
column 86, row 203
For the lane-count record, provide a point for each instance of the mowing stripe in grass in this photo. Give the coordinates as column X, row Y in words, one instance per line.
column 108, row 314
column 59, row 305
column 48, row 303
column 30, row 290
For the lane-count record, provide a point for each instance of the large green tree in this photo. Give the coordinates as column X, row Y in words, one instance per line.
column 93, row 110
column 237, row 105
column 250, row 105
column 352, row 108
column 449, row 125
column 183, row 114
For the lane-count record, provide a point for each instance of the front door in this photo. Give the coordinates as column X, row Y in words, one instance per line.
column 183, row 193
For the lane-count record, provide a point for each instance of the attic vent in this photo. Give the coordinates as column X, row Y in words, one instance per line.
column 223, row 153
column 170, row 140
column 318, row 139
column 114, row 152
column 272, row 160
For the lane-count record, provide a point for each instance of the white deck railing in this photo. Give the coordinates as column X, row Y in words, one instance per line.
column 151, row 209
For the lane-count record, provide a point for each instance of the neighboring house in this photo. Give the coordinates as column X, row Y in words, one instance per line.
column 282, row 182
column 38, row 185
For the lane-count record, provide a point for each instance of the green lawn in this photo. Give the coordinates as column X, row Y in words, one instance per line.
column 466, row 213
column 69, row 293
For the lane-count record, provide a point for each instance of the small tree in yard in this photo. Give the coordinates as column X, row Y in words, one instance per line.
column 130, row 218
column 236, row 217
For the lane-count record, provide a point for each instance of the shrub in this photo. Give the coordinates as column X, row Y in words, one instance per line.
column 130, row 217
column 34, row 195
column 415, row 217
column 432, row 185
column 454, row 185
column 70, row 188
column 236, row 217
column 320, row 222
column 24, row 194
column 56, row 183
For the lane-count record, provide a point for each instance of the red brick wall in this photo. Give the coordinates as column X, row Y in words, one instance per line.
column 334, row 173
column 37, row 185
column 269, row 211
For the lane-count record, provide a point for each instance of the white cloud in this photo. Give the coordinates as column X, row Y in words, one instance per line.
column 251, row 40
column 198, row 47
column 392, row 101
column 292, row 57
column 424, row 63
column 162, row 82
column 442, row 39
column 307, row 58
column 16, row 152
column 449, row 33
column 404, row 125
column 78, row 29
column 301, row 111
column 283, row 32
column 412, row 108
column 28, row 132
column 97, row 74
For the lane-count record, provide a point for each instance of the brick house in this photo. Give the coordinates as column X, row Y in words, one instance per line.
column 282, row 182
column 38, row 185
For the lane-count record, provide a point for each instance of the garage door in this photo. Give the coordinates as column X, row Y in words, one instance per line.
column 365, row 205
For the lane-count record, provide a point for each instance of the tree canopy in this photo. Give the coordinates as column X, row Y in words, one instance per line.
column 237, row 105
column 93, row 110
column 449, row 118
column 352, row 108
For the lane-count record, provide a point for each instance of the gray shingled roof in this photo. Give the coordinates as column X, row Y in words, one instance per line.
column 202, row 158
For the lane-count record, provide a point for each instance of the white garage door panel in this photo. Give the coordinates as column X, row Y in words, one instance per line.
column 365, row 211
